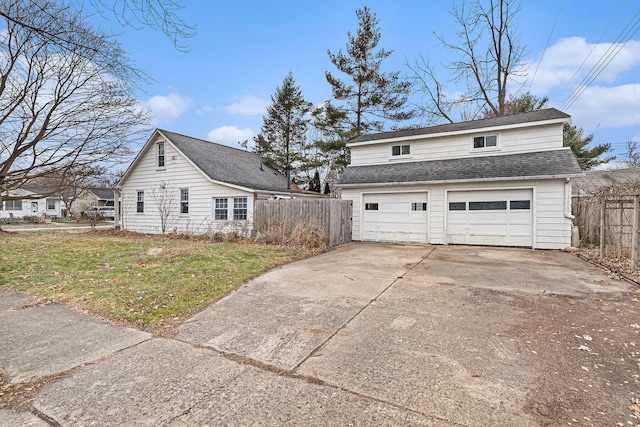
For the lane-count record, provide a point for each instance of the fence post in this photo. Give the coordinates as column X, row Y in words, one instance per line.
column 603, row 211
column 634, row 235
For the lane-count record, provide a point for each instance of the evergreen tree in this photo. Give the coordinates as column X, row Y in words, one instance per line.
column 372, row 96
column 315, row 184
column 327, row 189
column 365, row 100
column 587, row 157
column 282, row 135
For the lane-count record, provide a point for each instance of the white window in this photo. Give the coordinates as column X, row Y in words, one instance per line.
column 160, row 154
column 485, row 141
column 140, row 202
column 51, row 204
column 220, row 211
column 400, row 150
column 240, row 208
column 184, row 200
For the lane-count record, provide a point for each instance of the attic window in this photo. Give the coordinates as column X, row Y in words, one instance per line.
column 400, row 150
column 160, row 154
column 485, row 141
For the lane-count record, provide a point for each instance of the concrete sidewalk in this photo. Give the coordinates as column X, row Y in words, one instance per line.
column 367, row 334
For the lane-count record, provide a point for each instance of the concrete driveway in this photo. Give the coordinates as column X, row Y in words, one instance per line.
column 376, row 334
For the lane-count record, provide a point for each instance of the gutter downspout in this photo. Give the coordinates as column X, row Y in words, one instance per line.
column 567, row 200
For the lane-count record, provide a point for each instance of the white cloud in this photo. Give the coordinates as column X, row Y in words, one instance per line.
column 230, row 135
column 204, row 109
column 167, row 108
column 561, row 61
column 608, row 107
column 248, row 106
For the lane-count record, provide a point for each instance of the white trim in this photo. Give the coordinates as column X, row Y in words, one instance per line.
column 457, row 181
column 485, row 149
column 459, row 132
column 400, row 156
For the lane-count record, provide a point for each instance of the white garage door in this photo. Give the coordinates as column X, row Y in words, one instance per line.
column 490, row 217
column 395, row 217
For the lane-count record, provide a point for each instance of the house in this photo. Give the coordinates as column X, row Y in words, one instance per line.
column 33, row 203
column 96, row 199
column 502, row 181
column 184, row 184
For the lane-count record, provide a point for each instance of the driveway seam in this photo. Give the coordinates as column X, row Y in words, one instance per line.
column 323, row 343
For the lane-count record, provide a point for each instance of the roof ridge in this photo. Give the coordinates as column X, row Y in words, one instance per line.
column 205, row 141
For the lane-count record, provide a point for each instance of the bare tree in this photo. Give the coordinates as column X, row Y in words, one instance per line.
column 632, row 154
column 489, row 58
column 166, row 205
column 155, row 14
column 66, row 98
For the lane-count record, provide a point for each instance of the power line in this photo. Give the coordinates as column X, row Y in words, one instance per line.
column 614, row 49
column 553, row 28
column 597, row 43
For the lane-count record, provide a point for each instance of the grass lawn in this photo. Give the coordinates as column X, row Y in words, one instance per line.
column 128, row 279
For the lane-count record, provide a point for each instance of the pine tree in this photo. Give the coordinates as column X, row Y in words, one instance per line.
column 372, row 96
column 315, row 184
column 587, row 157
column 282, row 136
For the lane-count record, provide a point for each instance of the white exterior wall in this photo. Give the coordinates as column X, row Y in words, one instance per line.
column 551, row 228
column 510, row 141
column 178, row 173
column 28, row 210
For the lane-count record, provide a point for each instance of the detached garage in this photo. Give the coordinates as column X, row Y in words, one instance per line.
column 504, row 181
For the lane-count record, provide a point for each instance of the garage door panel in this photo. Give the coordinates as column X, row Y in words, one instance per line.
column 394, row 220
column 489, row 217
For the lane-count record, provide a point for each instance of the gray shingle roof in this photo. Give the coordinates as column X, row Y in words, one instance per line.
column 591, row 181
column 103, row 193
column 560, row 162
column 228, row 164
column 533, row 116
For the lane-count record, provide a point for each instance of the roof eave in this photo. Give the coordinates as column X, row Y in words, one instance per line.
column 460, row 181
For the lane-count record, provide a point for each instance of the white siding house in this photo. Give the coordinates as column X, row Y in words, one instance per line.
column 501, row 181
column 30, row 202
column 188, row 185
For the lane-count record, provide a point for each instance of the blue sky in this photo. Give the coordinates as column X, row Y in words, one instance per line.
column 220, row 88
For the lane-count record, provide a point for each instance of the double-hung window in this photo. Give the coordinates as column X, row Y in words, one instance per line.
column 160, row 154
column 51, row 204
column 240, row 208
column 220, row 211
column 140, row 202
column 184, row 200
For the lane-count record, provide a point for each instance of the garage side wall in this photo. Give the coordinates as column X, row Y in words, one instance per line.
column 551, row 229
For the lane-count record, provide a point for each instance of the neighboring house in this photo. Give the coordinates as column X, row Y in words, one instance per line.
column 31, row 204
column 94, row 199
column 592, row 181
column 501, row 181
column 190, row 185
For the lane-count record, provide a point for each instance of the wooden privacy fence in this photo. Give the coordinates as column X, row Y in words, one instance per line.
column 612, row 221
column 331, row 218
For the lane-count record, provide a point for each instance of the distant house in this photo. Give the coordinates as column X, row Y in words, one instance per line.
column 499, row 181
column 591, row 181
column 94, row 199
column 31, row 203
column 184, row 184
